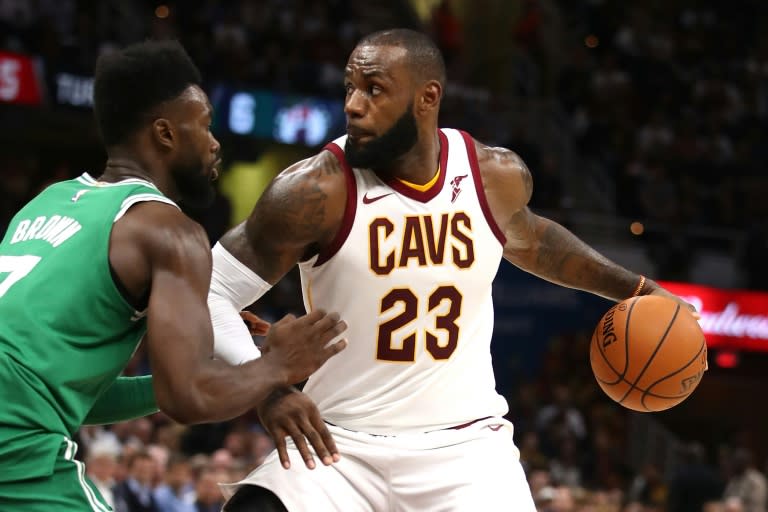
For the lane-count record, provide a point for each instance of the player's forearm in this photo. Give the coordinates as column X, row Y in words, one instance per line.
column 233, row 287
column 216, row 391
column 126, row 399
column 558, row 256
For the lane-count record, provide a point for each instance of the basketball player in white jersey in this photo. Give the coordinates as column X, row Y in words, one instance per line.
column 400, row 227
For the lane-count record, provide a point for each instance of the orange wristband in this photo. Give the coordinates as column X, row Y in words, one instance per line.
column 639, row 286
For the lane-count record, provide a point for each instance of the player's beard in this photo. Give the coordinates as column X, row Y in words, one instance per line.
column 193, row 185
column 380, row 153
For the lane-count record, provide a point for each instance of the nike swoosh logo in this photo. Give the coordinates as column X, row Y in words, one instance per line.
column 369, row 200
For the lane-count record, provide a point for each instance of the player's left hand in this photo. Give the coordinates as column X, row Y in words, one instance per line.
column 256, row 326
column 658, row 290
column 289, row 412
column 665, row 293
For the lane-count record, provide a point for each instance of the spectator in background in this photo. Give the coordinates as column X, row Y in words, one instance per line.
column 746, row 483
column 560, row 419
column 176, row 493
column 135, row 494
column 221, row 460
column 694, row 482
column 209, row 497
column 261, row 445
column 729, row 505
column 447, row 31
column 648, row 489
column 531, row 456
column 101, row 468
column 733, row 505
column 565, row 466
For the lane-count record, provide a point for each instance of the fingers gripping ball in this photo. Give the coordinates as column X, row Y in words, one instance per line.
column 648, row 353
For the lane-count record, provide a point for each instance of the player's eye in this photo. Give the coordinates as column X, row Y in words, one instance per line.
column 348, row 88
column 375, row 90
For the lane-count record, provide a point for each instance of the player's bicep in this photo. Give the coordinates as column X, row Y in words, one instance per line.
column 295, row 215
column 179, row 333
column 508, row 186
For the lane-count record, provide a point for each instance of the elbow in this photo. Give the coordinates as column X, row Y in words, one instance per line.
column 186, row 407
column 524, row 256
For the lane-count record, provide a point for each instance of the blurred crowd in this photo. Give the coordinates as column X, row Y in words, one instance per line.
column 666, row 102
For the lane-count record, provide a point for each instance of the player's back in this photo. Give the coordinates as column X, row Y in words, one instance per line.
column 66, row 331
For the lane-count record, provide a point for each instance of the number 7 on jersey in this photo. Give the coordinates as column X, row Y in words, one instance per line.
column 17, row 267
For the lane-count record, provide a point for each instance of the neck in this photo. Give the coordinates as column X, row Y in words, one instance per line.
column 419, row 165
column 118, row 169
column 123, row 164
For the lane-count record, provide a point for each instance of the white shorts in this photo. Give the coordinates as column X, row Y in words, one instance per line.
column 469, row 469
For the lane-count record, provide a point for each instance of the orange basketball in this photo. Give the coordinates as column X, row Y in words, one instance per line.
column 648, row 353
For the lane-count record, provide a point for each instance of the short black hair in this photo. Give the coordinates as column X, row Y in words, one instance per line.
column 425, row 58
column 132, row 81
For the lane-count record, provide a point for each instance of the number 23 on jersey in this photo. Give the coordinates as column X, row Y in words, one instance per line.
column 409, row 302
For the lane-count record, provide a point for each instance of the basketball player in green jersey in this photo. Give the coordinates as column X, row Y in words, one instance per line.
column 91, row 266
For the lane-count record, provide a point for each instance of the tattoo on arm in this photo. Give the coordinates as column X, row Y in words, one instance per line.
column 290, row 220
column 559, row 256
column 562, row 258
column 303, row 210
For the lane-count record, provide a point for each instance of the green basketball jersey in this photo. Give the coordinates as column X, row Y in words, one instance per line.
column 66, row 332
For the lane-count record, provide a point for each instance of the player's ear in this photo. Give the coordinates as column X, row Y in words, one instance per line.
column 162, row 130
column 429, row 99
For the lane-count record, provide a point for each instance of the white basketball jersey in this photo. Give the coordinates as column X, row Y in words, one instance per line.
column 410, row 272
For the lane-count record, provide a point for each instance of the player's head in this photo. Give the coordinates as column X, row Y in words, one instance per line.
column 394, row 80
column 147, row 98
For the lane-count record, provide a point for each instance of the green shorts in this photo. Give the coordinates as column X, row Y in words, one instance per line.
column 66, row 490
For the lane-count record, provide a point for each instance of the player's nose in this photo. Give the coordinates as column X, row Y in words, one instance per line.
column 355, row 104
column 215, row 145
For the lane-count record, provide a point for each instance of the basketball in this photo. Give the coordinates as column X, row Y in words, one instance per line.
column 648, row 353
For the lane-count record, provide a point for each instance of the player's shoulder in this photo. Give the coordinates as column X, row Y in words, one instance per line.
column 323, row 166
column 501, row 167
column 320, row 176
column 498, row 158
column 160, row 229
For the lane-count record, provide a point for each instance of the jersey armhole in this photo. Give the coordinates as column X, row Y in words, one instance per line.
column 140, row 198
column 349, row 209
column 143, row 302
column 478, row 180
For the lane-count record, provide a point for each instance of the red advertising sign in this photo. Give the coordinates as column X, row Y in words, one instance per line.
column 18, row 83
column 734, row 319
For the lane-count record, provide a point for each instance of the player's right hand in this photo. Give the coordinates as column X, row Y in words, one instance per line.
column 296, row 347
column 289, row 412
